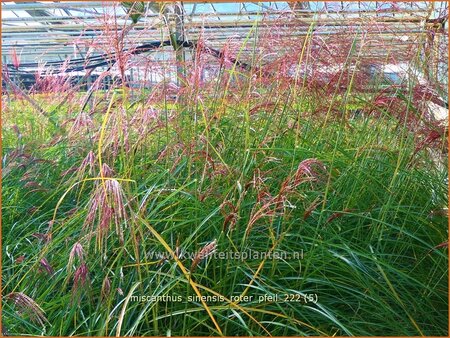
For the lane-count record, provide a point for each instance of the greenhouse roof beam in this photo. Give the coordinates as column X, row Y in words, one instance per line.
column 53, row 5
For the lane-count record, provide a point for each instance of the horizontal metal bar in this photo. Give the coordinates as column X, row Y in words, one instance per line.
column 82, row 25
column 210, row 25
column 54, row 5
column 49, row 35
column 58, row 18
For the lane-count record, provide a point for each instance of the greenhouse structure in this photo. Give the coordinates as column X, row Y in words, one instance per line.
column 224, row 168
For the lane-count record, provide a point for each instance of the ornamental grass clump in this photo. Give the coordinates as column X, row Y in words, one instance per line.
column 323, row 183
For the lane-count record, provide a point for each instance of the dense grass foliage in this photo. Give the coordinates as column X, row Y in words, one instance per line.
column 281, row 186
column 351, row 194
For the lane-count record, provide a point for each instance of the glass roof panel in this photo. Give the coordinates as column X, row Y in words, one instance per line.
column 50, row 30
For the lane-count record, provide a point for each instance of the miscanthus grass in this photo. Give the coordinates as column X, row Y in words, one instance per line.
column 328, row 206
column 365, row 215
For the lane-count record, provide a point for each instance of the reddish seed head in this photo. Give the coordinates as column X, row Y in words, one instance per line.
column 43, row 237
column 311, row 208
column 106, row 171
column 311, row 168
column 80, row 277
column 88, row 164
column 27, row 305
column 20, row 259
column 46, row 266
column 82, row 123
column 77, row 250
column 108, row 204
column 106, row 288
column 207, row 250
column 337, row 215
column 15, row 58
column 32, row 184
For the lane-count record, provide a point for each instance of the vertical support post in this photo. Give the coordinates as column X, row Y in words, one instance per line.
column 429, row 45
column 180, row 36
column 88, row 82
column 131, row 83
column 4, row 83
